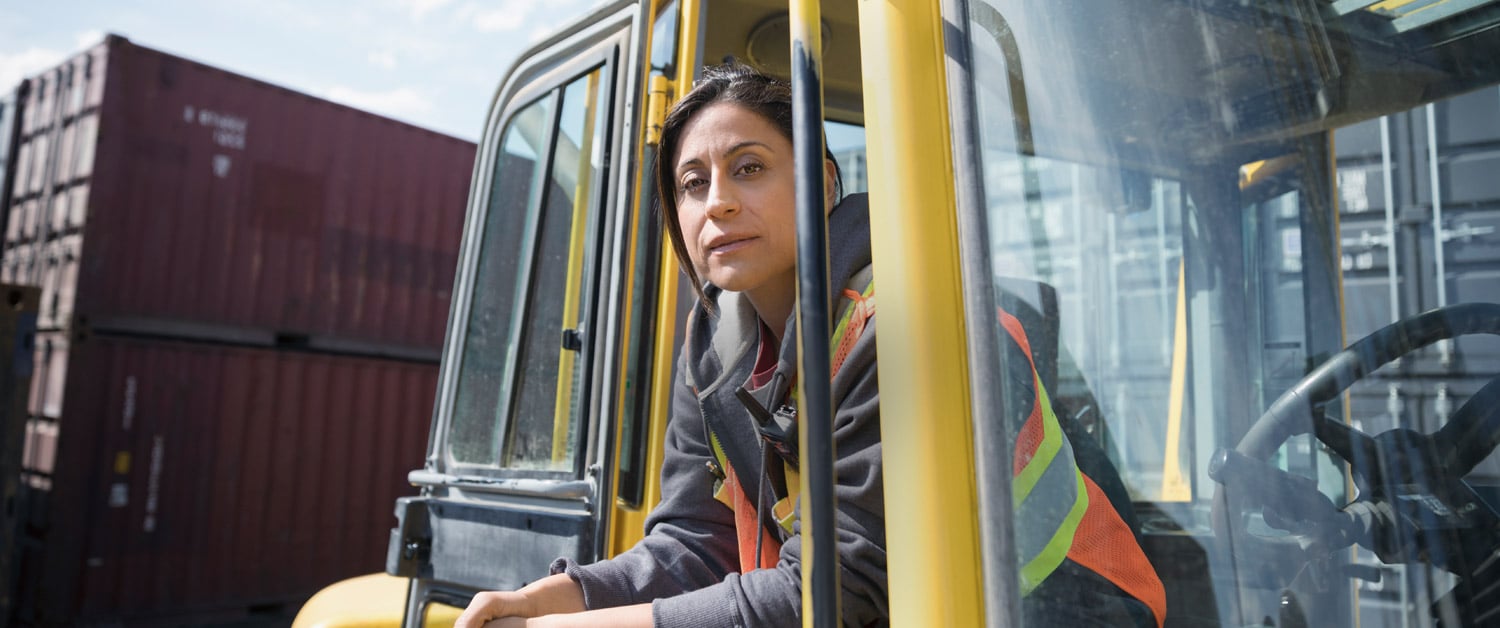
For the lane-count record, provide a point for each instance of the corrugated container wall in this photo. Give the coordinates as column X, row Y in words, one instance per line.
column 243, row 296
column 216, row 482
column 158, row 195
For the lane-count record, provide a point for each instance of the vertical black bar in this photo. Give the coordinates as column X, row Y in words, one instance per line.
column 820, row 565
column 12, row 148
column 18, row 312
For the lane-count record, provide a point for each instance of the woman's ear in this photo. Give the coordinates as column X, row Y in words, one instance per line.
column 830, row 185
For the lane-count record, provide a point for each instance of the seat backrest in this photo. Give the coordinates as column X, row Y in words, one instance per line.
column 1034, row 304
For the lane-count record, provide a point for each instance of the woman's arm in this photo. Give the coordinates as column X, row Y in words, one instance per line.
column 634, row 616
column 550, row 595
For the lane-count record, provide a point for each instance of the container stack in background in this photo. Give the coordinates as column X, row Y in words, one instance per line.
column 244, row 292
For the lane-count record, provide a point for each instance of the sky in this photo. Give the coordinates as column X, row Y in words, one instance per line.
column 433, row 63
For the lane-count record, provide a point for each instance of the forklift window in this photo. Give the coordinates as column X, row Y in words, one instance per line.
column 530, row 338
column 1215, row 199
column 473, row 438
column 847, row 141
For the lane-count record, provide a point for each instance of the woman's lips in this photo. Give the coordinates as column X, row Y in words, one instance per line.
column 728, row 244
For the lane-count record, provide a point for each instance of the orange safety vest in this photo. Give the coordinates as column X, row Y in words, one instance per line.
column 1064, row 514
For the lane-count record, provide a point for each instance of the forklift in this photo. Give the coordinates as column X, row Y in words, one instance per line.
column 1255, row 240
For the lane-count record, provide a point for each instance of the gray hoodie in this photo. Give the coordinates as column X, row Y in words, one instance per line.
column 687, row 563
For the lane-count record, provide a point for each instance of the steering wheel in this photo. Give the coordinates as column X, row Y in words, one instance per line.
column 1413, row 503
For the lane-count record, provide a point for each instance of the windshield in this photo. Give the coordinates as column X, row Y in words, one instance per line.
column 1207, row 201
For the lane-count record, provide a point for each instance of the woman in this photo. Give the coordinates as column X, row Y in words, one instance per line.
column 722, row 548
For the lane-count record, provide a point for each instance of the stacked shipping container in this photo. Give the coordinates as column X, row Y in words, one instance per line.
column 244, row 291
column 1419, row 207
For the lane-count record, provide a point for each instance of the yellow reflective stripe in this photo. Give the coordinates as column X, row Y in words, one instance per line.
column 1037, row 570
column 719, row 458
column 721, row 484
column 1052, row 441
column 1049, row 453
column 849, row 306
column 786, row 509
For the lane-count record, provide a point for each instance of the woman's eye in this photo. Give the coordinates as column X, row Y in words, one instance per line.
column 693, row 184
column 751, row 168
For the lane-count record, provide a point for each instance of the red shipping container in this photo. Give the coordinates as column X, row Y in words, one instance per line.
column 201, row 483
column 156, row 195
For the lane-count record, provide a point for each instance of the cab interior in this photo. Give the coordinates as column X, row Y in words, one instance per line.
column 1233, row 107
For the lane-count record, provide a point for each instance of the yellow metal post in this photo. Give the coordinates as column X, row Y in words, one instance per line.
column 628, row 524
column 1174, row 484
column 666, row 302
column 933, row 550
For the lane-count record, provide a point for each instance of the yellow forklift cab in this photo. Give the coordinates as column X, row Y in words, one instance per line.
column 1253, row 245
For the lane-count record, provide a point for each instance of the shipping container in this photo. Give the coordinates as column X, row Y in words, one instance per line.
column 195, row 483
column 242, row 296
column 158, row 196
column 1419, row 210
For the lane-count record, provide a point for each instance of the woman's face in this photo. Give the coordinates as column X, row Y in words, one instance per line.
column 735, row 199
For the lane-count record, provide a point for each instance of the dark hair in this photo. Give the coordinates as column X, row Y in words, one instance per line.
column 738, row 84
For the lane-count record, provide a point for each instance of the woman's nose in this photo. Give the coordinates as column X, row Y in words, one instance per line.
column 722, row 199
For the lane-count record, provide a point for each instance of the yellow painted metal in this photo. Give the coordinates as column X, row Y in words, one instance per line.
column 933, row 554
column 1174, row 484
column 562, row 414
column 1255, row 173
column 371, row 601
column 629, row 523
column 805, row 17
column 691, row 13
column 626, row 522
column 1390, row 5
column 659, row 90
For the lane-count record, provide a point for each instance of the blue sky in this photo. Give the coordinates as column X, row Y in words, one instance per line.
column 434, row 63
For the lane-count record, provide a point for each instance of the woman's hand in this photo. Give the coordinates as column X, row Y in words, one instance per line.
column 550, row 595
column 496, row 605
column 637, row 616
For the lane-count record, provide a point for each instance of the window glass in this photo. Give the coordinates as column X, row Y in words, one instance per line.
column 847, row 141
column 550, row 378
column 1192, row 208
column 514, row 193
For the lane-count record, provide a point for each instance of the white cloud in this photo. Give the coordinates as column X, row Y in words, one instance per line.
column 507, row 16
column 402, row 102
column 383, row 59
column 420, row 8
column 88, row 38
column 18, row 66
